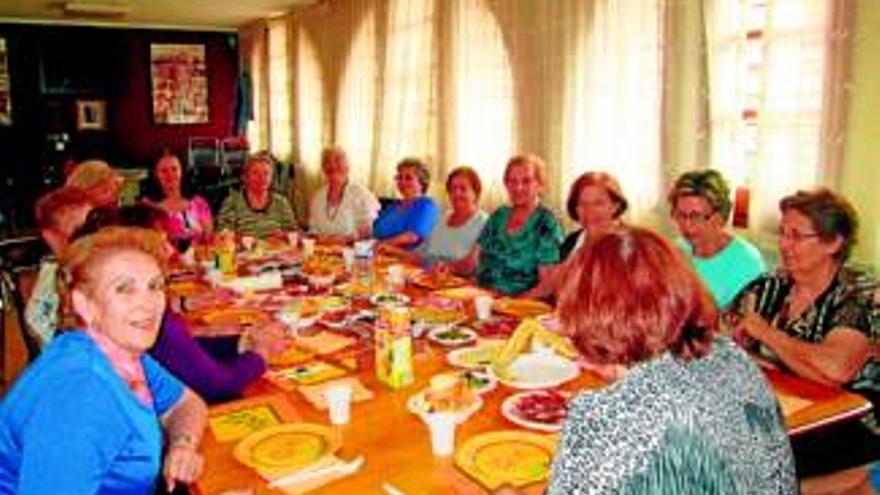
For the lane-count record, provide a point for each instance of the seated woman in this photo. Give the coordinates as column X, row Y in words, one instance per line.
column 58, row 214
column 456, row 235
column 685, row 412
column 215, row 380
column 256, row 210
column 410, row 220
column 187, row 218
column 700, row 202
column 816, row 316
column 101, row 183
column 341, row 210
column 88, row 416
column 520, row 242
column 596, row 202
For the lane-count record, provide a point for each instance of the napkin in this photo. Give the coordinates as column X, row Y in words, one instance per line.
column 309, row 484
column 315, row 393
column 531, row 332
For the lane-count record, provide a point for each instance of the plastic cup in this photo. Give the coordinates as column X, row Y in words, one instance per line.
column 308, row 247
column 338, row 396
column 396, row 276
column 483, row 306
column 442, row 428
column 348, row 258
column 293, row 238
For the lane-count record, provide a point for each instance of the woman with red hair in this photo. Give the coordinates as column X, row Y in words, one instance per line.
column 685, row 411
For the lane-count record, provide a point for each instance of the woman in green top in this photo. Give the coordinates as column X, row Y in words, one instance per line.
column 520, row 242
column 256, row 210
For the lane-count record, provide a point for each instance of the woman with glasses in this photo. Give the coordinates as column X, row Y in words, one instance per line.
column 700, row 202
column 816, row 316
column 409, row 221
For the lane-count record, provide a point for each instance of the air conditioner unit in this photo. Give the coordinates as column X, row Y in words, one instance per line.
column 97, row 8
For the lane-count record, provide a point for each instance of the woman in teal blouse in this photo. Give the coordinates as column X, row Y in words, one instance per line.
column 520, row 241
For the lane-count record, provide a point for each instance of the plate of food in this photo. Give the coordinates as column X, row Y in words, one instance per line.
column 480, row 382
column 389, row 299
column 512, row 457
column 434, row 281
column 496, row 326
column 477, row 356
column 447, row 392
column 521, row 308
column 431, row 316
column 537, row 370
column 336, row 319
column 234, row 316
column 542, row 410
column 311, row 306
column 452, row 336
column 286, row 447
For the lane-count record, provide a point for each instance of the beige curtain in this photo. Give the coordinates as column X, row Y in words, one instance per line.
column 775, row 97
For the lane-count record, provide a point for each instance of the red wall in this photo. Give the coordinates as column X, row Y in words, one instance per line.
column 131, row 120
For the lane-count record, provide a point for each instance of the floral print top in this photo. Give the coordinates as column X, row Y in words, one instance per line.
column 709, row 426
column 509, row 263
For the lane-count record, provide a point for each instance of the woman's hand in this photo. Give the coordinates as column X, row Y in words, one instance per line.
column 268, row 340
column 183, row 463
column 751, row 326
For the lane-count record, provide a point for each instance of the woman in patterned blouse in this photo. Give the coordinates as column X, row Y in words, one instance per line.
column 257, row 210
column 685, row 412
column 816, row 316
column 519, row 243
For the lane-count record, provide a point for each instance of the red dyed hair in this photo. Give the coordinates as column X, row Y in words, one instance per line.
column 51, row 208
column 468, row 173
column 630, row 296
column 601, row 179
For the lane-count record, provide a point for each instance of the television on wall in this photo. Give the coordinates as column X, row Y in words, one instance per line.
column 76, row 61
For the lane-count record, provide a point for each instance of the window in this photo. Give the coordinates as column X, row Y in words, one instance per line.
column 280, row 139
column 309, row 105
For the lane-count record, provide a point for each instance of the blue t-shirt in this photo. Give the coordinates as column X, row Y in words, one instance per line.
column 418, row 217
column 70, row 425
column 729, row 271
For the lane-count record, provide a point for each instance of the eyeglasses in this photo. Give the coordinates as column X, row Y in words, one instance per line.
column 797, row 237
column 691, row 216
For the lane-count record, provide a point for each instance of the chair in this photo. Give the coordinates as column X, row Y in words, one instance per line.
column 15, row 286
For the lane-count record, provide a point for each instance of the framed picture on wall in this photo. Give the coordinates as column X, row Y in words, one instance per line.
column 5, row 100
column 179, row 83
column 91, row 115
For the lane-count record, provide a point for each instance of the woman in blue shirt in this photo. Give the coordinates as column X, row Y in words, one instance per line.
column 88, row 416
column 409, row 221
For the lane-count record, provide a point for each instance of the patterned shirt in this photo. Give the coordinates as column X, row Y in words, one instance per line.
column 707, row 426
column 509, row 263
column 849, row 301
column 237, row 215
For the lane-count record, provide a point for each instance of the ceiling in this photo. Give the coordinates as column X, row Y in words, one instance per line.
column 173, row 14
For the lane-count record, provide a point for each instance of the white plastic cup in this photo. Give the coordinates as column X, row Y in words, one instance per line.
column 308, row 247
column 442, row 428
column 248, row 242
column 348, row 258
column 293, row 238
column 396, row 276
column 338, row 396
column 483, row 306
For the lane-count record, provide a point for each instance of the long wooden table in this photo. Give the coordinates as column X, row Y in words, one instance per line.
column 396, row 443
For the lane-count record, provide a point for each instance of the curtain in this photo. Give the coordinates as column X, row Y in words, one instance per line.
column 280, row 133
column 615, row 99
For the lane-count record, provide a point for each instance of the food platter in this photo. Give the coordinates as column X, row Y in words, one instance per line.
column 542, row 410
column 511, row 457
column 286, row 447
column 452, row 336
column 418, row 404
column 521, row 308
column 433, row 282
column 474, row 357
column 234, row 316
column 389, row 299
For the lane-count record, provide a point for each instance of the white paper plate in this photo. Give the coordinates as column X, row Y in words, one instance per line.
column 475, row 357
column 539, row 370
column 464, row 336
column 418, row 406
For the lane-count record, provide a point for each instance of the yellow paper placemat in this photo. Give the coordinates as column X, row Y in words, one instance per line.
column 315, row 393
column 305, row 374
column 236, row 425
column 324, row 342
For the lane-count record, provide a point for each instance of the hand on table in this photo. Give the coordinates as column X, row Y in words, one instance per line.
column 751, row 327
column 183, row 463
column 268, row 340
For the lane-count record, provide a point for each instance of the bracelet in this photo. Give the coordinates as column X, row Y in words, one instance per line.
column 183, row 440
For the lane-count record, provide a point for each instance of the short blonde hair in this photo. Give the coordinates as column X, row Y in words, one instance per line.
column 92, row 173
column 534, row 162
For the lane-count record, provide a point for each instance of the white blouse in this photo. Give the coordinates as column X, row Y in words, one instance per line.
column 358, row 207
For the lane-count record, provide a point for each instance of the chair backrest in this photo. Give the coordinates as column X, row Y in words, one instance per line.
column 15, row 287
